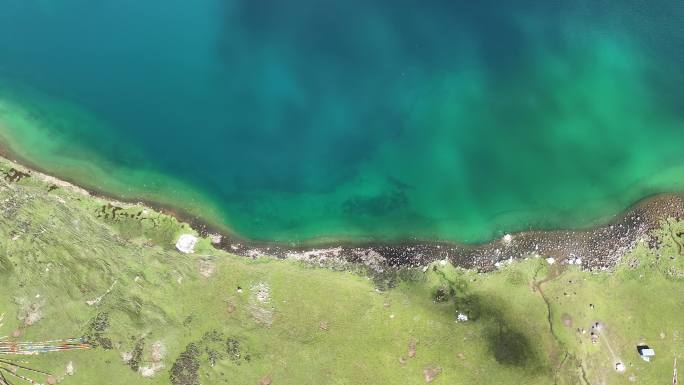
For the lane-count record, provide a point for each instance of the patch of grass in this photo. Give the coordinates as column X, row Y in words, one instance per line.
column 114, row 276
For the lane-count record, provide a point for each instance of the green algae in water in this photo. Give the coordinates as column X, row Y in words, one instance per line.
column 354, row 120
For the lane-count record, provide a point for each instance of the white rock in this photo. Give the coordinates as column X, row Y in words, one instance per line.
column 150, row 370
column 262, row 292
column 461, row 317
column 126, row 357
column 215, row 238
column 550, row 260
column 186, row 243
column 158, row 351
column 508, row 238
column 146, row 371
column 70, row 368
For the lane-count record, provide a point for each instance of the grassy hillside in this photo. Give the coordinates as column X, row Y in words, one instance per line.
column 73, row 265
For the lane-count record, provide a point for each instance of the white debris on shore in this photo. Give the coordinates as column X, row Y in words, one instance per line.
column 573, row 261
column 503, row 262
column 186, row 243
column 216, row 238
column 255, row 253
column 317, row 256
column 372, row 259
column 335, row 256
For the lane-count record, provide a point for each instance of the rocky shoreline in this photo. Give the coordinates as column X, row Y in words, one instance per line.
column 598, row 248
column 594, row 249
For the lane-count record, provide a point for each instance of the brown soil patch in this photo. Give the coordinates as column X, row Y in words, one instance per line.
column 412, row 348
column 31, row 313
column 431, row 372
column 230, row 308
column 567, row 319
column 206, row 268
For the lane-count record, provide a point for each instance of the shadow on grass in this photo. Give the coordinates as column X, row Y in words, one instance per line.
column 509, row 343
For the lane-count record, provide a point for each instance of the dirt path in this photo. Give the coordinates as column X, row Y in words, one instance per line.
column 555, row 272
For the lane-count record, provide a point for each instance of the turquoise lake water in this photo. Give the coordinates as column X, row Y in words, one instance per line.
column 376, row 119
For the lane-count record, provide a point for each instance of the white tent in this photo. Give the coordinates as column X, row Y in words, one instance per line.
column 646, row 354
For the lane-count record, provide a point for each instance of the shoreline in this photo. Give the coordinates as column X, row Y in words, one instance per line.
column 596, row 248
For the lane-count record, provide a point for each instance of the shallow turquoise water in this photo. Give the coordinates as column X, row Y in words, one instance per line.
column 353, row 119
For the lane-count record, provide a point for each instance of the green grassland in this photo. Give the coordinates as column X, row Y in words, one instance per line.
column 215, row 318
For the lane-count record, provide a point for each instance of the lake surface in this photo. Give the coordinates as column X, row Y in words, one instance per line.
column 375, row 119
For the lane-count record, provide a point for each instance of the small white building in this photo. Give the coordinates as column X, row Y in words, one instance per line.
column 645, row 352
